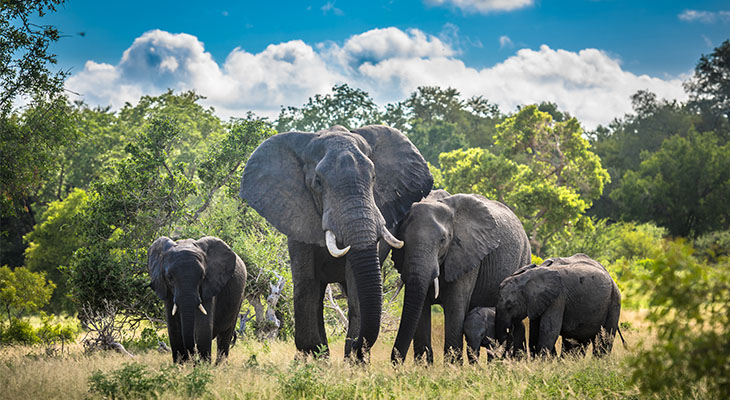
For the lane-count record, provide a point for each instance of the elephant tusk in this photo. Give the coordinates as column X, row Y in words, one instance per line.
column 435, row 288
column 391, row 240
column 202, row 309
column 174, row 309
column 332, row 245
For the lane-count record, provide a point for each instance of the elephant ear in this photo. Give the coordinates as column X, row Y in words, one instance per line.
column 155, row 255
column 220, row 265
column 273, row 183
column 542, row 288
column 402, row 176
column 475, row 234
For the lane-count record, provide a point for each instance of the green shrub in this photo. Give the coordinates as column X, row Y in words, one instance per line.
column 713, row 246
column 135, row 381
column 19, row 331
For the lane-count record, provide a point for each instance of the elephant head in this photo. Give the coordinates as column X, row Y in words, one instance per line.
column 444, row 239
column 526, row 293
column 188, row 274
column 343, row 190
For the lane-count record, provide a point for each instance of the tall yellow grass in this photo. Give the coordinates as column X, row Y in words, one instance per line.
column 268, row 371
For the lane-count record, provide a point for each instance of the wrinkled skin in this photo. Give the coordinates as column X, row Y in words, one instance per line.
column 480, row 331
column 574, row 297
column 469, row 244
column 189, row 274
column 357, row 185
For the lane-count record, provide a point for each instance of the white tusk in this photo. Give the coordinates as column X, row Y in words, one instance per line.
column 436, row 288
column 332, row 245
column 392, row 241
column 202, row 309
column 397, row 290
column 174, row 309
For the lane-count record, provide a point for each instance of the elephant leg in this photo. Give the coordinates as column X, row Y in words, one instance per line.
column 551, row 321
column 353, row 313
column 534, row 336
column 174, row 332
column 604, row 340
column 204, row 330
column 422, row 350
column 320, row 320
column 307, row 300
column 570, row 347
column 223, row 340
column 518, row 340
column 455, row 301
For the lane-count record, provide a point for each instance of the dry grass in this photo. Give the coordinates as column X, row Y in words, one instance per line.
column 268, row 370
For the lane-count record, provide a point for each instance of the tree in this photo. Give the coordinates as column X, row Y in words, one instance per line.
column 545, row 172
column 53, row 241
column 684, row 186
column 24, row 56
column 346, row 106
column 709, row 88
column 23, row 291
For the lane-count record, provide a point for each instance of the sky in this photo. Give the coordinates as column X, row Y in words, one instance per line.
column 587, row 56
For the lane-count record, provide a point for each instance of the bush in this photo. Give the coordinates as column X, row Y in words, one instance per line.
column 18, row 332
column 135, row 381
column 690, row 313
column 713, row 246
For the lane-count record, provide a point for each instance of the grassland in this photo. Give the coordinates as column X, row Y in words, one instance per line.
column 268, row 370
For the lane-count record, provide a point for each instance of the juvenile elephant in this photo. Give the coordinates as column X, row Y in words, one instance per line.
column 574, row 297
column 336, row 194
column 202, row 283
column 457, row 251
column 480, row 331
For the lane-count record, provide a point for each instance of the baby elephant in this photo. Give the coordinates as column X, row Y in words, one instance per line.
column 574, row 297
column 480, row 331
column 201, row 282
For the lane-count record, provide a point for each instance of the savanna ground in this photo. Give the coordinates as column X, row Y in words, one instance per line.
column 269, row 370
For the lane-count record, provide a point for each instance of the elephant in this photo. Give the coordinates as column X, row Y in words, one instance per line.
column 202, row 283
column 464, row 245
column 574, row 297
column 480, row 331
column 336, row 194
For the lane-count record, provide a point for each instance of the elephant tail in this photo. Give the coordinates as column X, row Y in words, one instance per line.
column 622, row 337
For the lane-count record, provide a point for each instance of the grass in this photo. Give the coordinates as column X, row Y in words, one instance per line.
column 268, row 370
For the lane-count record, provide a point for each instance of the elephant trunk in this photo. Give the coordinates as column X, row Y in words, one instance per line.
column 366, row 271
column 413, row 303
column 187, row 309
column 500, row 330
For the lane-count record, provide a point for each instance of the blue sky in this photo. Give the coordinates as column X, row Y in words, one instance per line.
column 587, row 56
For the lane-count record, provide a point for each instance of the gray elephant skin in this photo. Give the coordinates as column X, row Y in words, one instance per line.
column 463, row 245
column 335, row 194
column 574, row 297
column 480, row 330
column 201, row 282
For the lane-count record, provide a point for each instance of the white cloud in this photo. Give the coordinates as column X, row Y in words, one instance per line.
column 483, row 6
column 388, row 63
column 706, row 17
column 505, row 41
column 330, row 6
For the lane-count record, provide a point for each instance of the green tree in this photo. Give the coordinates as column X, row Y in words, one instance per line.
column 684, row 186
column 23, row 291
column 709, row 88
column 52, row 243
column 545, row 172
column 346, row 106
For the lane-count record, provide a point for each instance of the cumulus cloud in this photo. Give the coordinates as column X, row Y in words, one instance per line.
column 483, row 6
column 505, row 41
column 388, row 63
column 706, row 17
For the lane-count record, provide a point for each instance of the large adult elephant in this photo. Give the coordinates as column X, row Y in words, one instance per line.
column 202, row 283
column 335, row 193
column 457, row 251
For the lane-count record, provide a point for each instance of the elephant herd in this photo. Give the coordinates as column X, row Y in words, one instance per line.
column 345, row 200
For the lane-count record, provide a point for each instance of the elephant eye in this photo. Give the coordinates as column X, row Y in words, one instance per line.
column 317, row 184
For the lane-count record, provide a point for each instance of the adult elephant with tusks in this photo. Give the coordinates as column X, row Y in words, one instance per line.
column 457, row 251
column 202, row 283
column 335, row 194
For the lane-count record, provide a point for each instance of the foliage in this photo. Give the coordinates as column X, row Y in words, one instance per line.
column 690, row 313
column 18, row 331
column 713, row 246
column 346, row 106
column 23, row 291
column 709, row 88
column 24, row 53
column 545, row 172
column 135, row 381
column 52, row 243
column 684, row 186
column 50, row 333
